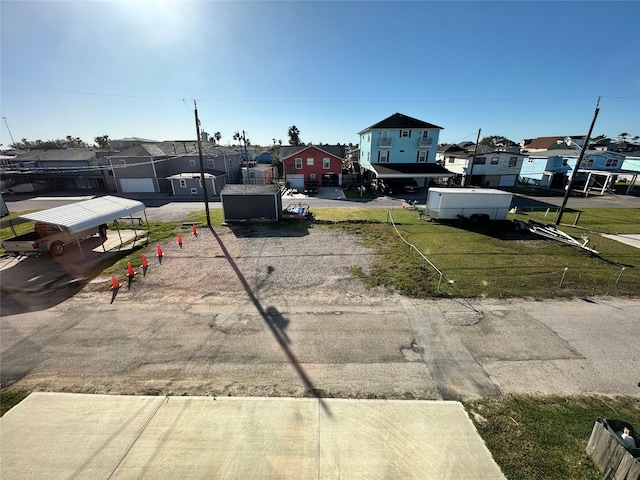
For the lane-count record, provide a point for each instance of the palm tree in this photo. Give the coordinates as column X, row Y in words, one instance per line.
column 294, row 135
column 237, row 137
column 217, row 136
column 623, row 136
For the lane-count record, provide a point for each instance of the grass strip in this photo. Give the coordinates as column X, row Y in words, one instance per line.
column 544, row 438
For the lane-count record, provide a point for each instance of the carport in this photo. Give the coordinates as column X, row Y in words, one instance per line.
column 414, row 171
column 78, row 217
column 603, row 180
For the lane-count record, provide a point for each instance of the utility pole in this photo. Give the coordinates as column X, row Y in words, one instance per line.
column 575, row 169
column 467, row 183
column 203, row 180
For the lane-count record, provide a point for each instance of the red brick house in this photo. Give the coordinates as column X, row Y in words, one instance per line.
column 323, row 164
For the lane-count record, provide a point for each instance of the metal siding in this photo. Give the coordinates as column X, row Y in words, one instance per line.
column 249, row 207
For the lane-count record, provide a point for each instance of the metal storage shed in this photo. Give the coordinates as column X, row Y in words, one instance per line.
column 247, row 203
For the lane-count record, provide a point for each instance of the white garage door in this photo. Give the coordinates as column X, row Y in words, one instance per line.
column 295, row 180
column 135, row 185
column 508, row 180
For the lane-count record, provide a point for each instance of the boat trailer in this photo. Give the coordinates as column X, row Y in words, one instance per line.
column 550, row 231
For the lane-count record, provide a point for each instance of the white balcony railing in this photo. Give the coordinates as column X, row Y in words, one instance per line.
column 425, row 142
column 384, row 142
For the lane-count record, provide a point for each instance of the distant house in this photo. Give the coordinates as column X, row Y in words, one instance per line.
column 320, row 163
column 260, row 174
column 541, row 144
column 401, row 147
column 191, row 184
column 74, row 169
column 482, row 167
column 148, row 167
column 264, row 157
column 598, row 170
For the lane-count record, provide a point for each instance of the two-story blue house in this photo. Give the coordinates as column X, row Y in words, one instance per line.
column 401, row 147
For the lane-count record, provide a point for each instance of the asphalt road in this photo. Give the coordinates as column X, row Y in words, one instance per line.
column 285, row 347
column 162, row 207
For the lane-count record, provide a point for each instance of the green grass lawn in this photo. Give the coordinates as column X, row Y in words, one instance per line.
column 494, row 260
column 544, row 438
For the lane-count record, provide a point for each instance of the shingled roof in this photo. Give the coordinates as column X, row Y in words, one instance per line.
column 58, row 154
column 335, row 150
column 398, row 120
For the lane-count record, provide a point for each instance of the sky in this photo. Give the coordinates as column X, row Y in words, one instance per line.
column 520, row 69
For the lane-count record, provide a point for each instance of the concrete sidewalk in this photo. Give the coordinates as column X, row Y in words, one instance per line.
column 633, row 240
column 59, row 435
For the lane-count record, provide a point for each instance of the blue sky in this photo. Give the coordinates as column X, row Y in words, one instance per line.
column 512, row 68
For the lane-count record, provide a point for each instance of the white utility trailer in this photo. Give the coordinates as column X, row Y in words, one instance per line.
column 474, row 204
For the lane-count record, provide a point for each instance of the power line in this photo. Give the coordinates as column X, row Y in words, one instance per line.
column 276, row 100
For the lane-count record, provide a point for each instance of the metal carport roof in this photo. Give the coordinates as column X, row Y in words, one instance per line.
column 80, row 216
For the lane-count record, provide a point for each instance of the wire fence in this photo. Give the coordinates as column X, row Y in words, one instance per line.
column 596, row 278
column 412, row 248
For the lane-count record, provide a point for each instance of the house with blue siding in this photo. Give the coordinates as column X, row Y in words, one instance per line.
column 597, row 172
column 401, row 147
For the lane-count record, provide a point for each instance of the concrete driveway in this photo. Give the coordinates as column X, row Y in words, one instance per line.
column 62, row 436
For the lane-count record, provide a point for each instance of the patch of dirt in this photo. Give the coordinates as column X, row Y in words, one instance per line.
column 260, row 260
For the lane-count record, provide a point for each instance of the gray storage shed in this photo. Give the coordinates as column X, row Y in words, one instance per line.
column 251, row 203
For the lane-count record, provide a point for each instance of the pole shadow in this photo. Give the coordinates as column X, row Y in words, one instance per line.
column 276, row 324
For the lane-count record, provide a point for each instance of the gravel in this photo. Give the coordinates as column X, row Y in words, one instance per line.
column 266, row 261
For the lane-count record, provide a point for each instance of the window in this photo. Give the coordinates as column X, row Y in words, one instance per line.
column 611, row 162
column 590, row 162
column 200, row 182
column 565, row 162
column 326, row 163
column 312, row 176
column 210, row 164
column 530, row 160
column 425, row 134
column 494, row 160
column 298, row 163
column 194, row 191
column 192, row 162
column 513, row 161
column 422, row 157
column 183, row 183
column 479, row 160
column 383, row 156
column 309, row 162
column 405, row 133
column 452, row 160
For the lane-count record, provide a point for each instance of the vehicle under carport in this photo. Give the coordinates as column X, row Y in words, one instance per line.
column 77, row 220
